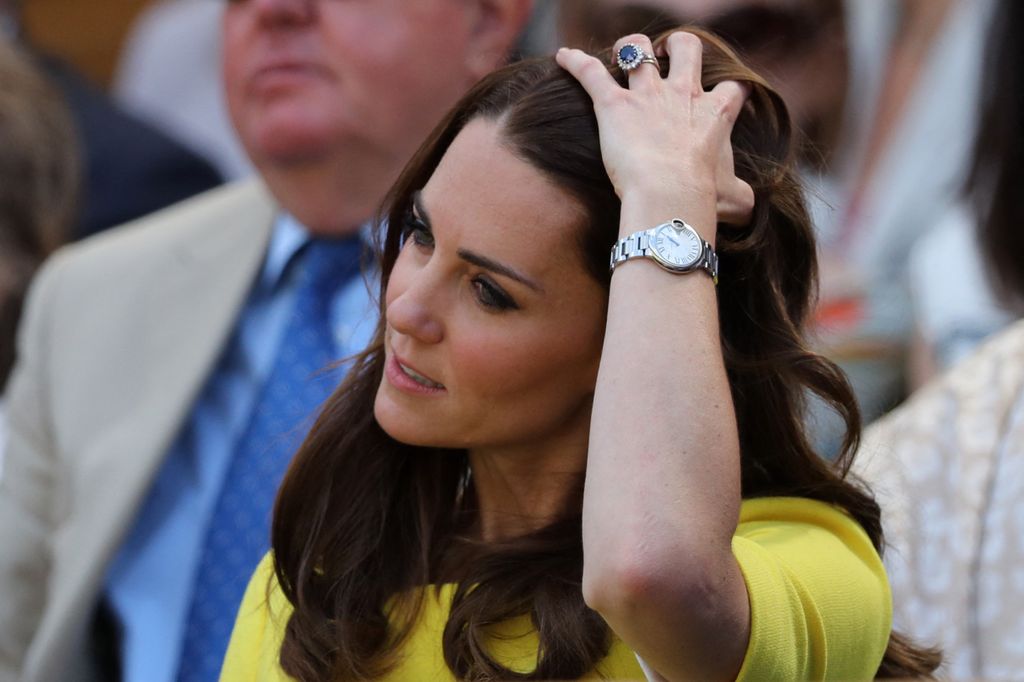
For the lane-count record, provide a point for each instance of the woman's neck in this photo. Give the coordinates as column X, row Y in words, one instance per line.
column 523, row 489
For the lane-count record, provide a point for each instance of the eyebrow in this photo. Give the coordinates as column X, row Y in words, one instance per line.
column 475, row 258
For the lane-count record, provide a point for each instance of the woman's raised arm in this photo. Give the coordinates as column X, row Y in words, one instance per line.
column 662, row 490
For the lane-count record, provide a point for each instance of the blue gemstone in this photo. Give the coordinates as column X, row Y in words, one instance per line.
column 628, row 53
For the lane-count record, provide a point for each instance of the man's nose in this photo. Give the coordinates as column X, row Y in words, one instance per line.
column 277, row 12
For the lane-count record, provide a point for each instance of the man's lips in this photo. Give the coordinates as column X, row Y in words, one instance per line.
column 286, row 72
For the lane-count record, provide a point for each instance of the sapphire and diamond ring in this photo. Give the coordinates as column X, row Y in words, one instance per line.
column 631, row 56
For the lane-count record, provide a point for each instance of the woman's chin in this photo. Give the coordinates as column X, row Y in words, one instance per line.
column 397, row 422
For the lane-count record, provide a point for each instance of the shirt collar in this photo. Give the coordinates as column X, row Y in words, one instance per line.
column 286, row 240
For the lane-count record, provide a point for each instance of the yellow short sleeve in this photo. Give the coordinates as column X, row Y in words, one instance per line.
column 820, row 605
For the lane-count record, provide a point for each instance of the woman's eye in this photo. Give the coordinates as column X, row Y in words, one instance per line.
column 416, row 230
column 491, row 295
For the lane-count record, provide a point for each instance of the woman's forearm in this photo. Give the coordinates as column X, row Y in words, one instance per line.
column 663, row 478
column 662, row 493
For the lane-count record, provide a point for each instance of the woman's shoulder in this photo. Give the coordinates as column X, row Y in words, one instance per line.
column 799, row 528
column 259, row 630
column 759, row 515
column 819, row 598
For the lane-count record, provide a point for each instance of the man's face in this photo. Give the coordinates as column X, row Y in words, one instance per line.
column 314, row 80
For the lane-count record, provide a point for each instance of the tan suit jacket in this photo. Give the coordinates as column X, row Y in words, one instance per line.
column 119, row 334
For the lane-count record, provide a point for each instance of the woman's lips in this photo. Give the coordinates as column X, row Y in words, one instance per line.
column 406, row 378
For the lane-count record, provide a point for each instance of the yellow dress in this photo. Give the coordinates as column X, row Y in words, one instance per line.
column 819, row 601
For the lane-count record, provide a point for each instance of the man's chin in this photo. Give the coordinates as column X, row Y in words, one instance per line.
column 291, row 144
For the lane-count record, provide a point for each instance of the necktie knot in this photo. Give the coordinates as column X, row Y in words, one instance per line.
column 329, row 263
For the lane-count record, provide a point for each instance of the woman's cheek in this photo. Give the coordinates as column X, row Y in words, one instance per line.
column 495, row 363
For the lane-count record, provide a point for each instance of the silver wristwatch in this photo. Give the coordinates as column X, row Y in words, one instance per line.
column 674, row 246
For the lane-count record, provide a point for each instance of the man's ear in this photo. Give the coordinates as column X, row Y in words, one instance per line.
column 495, row 26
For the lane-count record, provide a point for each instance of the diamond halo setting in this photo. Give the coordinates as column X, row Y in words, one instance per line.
column 630, row 56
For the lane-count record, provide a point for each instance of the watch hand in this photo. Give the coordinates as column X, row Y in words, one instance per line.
column 670, row 238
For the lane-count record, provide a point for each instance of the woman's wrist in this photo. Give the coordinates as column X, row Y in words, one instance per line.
column 645, row 207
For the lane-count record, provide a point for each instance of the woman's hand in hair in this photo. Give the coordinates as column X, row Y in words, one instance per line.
column 667, row 140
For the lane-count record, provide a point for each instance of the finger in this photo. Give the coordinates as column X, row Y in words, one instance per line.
column 589, row 71
column 728, row 98
column 637, row 48
column 736, row 206
column 685, row 52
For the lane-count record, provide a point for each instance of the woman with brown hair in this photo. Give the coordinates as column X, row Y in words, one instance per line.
column 540, row 469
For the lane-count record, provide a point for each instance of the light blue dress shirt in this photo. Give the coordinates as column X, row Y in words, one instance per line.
column 149, row 583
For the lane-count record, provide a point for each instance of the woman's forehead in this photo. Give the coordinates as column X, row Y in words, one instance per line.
column 484, row 198
column 480, row 180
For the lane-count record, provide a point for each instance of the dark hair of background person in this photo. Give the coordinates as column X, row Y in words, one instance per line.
column 10, row 14
column 770, row 36
column 755, row 28
column 127, row 168
column 361, row 519
column 997, row 172
column 38, row 184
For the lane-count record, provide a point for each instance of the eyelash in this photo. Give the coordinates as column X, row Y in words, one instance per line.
column 491, row 296
column 416, row 229
column 488, row 294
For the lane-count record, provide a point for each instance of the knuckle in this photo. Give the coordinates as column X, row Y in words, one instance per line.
column 591, row 67
column 724, row 108
column 686, row 41
column 729, row 100
column 733, row 91
column 638, row 38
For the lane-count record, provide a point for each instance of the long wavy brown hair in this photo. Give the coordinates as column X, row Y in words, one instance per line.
column 361, row 519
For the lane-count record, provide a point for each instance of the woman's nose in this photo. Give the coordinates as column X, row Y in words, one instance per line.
column 412, row 311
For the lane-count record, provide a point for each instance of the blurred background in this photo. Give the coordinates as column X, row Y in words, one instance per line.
column 886, row 92
column 89, row 35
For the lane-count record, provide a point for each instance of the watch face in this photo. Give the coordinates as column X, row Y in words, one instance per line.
column 678, row 248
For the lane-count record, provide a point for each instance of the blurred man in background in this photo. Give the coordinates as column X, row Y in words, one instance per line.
column 168, row 369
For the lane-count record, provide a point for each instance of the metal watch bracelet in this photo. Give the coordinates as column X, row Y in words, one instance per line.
column 637, row 245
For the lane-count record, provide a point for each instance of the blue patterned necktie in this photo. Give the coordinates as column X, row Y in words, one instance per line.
column 238, row 535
